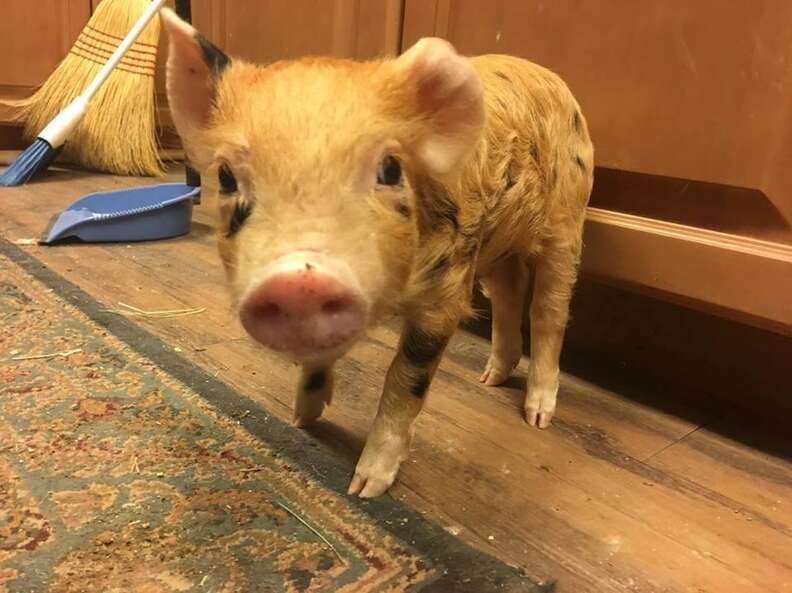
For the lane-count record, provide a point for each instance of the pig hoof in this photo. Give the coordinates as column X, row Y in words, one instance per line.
column 378, row 465
column 307, row 411
column 540, row 404
column 540, row 414
column 496, row 372
column 368, row 487
column 494, row 375
column 538, row 419
column 304, row 421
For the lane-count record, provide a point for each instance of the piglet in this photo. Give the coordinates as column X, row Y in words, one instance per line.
column 350, row 191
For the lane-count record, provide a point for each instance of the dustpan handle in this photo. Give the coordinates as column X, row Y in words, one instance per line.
column 184, row 10
column 130, row 38
column 192, row 177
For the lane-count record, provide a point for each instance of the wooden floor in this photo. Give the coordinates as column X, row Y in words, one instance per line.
column 617, row 496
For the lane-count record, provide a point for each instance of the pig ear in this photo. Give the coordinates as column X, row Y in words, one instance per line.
column 194, row 66
column 447, row 96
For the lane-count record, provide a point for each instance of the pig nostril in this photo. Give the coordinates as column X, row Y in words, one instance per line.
column 335, row 306
column 304, row 312
column 268, row 310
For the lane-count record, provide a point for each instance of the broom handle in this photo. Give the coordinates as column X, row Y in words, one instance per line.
column 56, row 132
column 130, row 38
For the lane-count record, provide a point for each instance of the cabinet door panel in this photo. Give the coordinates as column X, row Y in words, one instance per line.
column 264, row 31
column 269, row 30
column 34, row 38
column 672, row 88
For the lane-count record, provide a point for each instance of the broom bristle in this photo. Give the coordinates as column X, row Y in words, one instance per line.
column 118, row 133
column 34, row 158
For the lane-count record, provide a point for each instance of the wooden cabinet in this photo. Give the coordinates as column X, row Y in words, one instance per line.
column 268, row 30
column 689, row 109
column 691, row 90
column 260, row 31
column 34, row 38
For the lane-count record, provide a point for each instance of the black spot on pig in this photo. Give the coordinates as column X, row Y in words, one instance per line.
column 444, row 211
column 437, row 204
column 469, row 243
column 535, row 152
column 502, row 76
column 316, row 380
column 240, row 214
column 439, row 267
column 508, row 181
column 579, row 162
column 213, row 55
column 404, row 210
column 421, row 385
column 421, row 348
column 577, row 124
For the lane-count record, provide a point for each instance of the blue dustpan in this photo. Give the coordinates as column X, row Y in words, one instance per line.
column 134, row 214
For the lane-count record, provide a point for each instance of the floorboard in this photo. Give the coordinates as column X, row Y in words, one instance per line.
column 618, row 496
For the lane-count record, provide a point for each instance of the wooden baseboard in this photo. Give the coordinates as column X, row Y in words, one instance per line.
column 668, row 352
column 662, row 353
column 9, row 94
column 11, row 138
column 744, row 279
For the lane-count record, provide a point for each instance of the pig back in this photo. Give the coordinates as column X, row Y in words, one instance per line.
column 532, row 171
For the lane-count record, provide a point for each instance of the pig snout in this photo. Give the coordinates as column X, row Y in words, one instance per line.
column 304, row 305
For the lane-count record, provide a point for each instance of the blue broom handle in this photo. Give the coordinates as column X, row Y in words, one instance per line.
column 130, row 38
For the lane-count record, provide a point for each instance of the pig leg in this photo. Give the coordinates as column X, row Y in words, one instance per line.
column 420, row 349
column 505, row 286
column 555, row 273
column 314, row 393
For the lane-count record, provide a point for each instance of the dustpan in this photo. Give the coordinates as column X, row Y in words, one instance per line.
column 134, row 214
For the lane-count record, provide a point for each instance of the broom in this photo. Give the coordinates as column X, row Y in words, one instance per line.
column 118, row 133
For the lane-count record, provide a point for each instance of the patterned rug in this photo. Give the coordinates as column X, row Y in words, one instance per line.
column 126, row 468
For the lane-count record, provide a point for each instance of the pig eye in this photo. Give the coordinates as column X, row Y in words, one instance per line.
column 389, row 172
column 228, row 183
